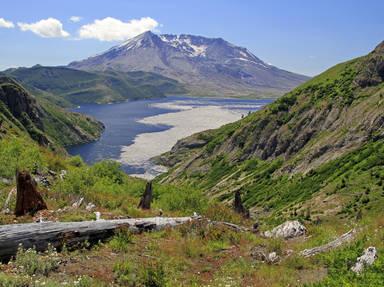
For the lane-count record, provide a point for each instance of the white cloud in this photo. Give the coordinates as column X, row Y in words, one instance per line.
column 6, row 24
column 46, row 28
column 75, row 19
column 111, row 29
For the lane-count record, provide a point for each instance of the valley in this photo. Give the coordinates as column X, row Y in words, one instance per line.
column 130, row 126
column 184, row 160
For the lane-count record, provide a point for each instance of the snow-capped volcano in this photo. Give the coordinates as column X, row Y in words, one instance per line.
column 206, row 66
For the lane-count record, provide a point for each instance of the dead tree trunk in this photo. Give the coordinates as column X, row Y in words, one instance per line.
column 330, row 245
column 145, row 202
column 28, row 199
column 238, row 205
column 72, row 234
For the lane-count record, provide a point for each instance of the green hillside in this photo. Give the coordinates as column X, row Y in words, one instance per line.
column 322, row 140
column 47, row 124
column 66, row 87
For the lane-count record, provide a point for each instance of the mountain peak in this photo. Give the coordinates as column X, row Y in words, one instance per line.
column 146, row 39
column 207, row 66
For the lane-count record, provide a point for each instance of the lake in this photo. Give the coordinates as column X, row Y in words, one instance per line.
column 136, row 131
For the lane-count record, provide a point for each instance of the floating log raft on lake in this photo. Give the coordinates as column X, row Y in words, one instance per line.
column 71, row 234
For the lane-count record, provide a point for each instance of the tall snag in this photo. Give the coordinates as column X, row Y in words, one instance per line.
column 146, row 199
column 238, row 205
column 28, row 199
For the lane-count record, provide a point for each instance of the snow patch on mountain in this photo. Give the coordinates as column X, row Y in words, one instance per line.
column 185, row 44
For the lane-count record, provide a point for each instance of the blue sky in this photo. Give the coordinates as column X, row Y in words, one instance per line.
column 298, row 35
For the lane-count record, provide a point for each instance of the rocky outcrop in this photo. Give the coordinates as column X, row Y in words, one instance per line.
column 371, row 70
column 28, row 199
column 367, row 259
column 288, row 229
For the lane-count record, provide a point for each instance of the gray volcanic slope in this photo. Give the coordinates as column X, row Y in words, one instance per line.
column 206, row 66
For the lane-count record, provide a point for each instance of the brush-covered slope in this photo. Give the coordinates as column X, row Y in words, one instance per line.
column 326, row 135
column 46, row 123
column 206, row 66
column 67, row 87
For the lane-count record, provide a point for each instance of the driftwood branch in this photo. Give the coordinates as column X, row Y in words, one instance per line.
column 71, row 234
column 331, row 245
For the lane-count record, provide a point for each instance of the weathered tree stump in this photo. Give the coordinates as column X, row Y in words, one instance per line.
column 28, row 199
column 145, row 202
column 238, row 205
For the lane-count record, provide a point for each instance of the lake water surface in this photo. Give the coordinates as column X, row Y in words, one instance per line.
column 139, row 130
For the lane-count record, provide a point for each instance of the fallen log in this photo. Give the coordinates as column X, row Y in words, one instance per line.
column 231, row 225
column 331, row 245
column 72, row 234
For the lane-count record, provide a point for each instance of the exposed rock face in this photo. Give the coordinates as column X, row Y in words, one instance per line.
column 288, row 229
column 367, row 259
column 371, row 70
column 28, row 200
column 145, row 202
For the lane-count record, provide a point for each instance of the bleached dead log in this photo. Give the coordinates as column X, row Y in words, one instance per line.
column 6, row 208
column 331, row 245
column 231, row 225
column 39, row 235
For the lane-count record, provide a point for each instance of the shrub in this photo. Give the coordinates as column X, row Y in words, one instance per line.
column 183, row 199
column 125, row 273
column 121, row 241
column 150, row 274
column 32, row 263
column 154, row 275
column 13, row 281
